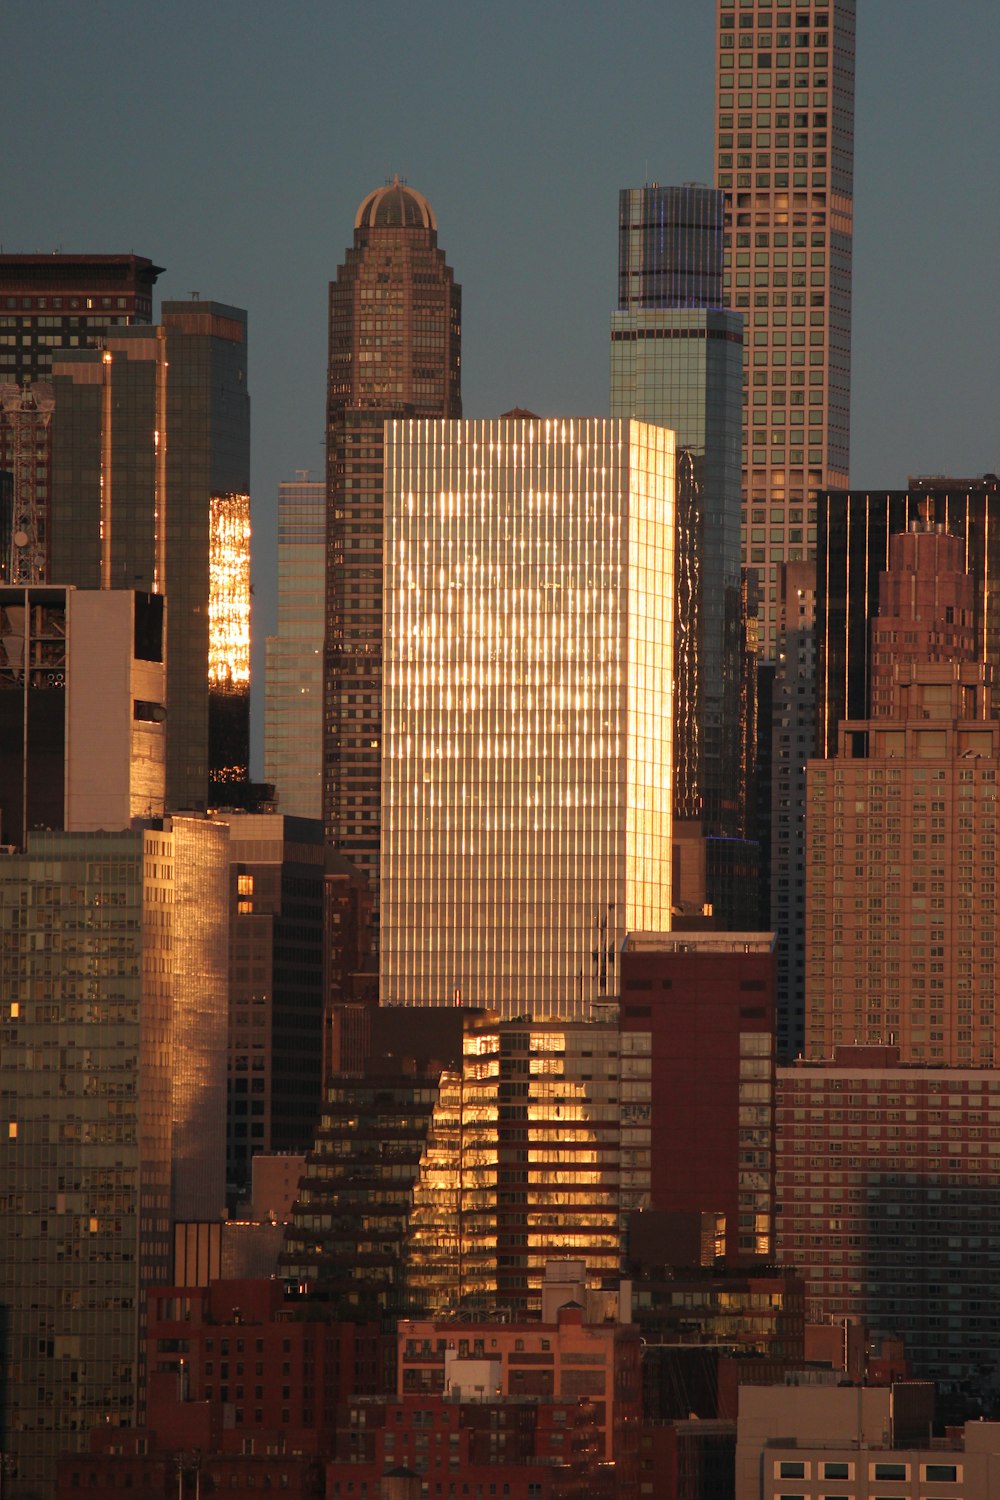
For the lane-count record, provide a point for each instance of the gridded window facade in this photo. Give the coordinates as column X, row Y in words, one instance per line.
column 527, row 762
column 112, row 1025
column 395, row 340
column 901, row 842
column 784, row 157
column 293, row 708
column 887, row 1180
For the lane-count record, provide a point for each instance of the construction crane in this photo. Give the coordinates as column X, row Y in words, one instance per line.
column 26, row 412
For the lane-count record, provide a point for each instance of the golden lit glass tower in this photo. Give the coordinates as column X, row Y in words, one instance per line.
column 526, row 786
column 395, row 334
column 785, row 159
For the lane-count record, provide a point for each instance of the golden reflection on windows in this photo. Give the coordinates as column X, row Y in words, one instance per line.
column 529, row 1167
column 527, row 727
column 229, row 592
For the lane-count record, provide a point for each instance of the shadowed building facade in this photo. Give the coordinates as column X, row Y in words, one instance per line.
column 276, row 987
column 395, row 338
column 293, row 705
column 887, row 1180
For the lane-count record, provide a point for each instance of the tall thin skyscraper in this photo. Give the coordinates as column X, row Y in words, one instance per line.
column 276, row 1000
column 395, row 335
column 792, row 722
column 785, row 159
column 529, row 587
column 293, row 703
column 676, row 360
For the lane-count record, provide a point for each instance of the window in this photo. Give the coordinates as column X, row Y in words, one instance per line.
column 890, row 1471
column 941, row 1473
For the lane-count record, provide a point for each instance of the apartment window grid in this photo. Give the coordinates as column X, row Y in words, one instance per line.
column 886, row 1176
column 784, row 157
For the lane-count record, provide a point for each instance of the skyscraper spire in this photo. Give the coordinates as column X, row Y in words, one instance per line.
column 395, row 337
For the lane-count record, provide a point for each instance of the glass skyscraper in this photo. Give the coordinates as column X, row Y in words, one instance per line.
column 676, row 359
column 113, row 970
column 293, row 706
column 527, row 766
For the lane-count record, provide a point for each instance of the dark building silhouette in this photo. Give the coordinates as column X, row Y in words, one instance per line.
column 276, row 988
column 395, row 337
column 789, row 687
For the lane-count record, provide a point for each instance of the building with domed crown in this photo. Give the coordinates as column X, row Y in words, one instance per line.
column 395, row 341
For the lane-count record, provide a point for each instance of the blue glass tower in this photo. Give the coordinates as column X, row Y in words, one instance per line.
column 677, row 360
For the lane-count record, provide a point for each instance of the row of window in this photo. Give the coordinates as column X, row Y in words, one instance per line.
column 935, row 1473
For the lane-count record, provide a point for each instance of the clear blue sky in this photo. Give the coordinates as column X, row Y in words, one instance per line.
column 232, row 140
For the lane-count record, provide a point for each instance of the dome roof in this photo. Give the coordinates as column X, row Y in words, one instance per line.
column 395, row 206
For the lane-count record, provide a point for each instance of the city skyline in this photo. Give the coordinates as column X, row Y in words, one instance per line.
column 529, row 232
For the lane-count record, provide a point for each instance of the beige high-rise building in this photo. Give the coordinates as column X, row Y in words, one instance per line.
column 82, row 709
column 527, row 726
column 785, row 158
column 901, row 902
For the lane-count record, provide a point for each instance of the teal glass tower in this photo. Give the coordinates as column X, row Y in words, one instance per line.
column 676, row 360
